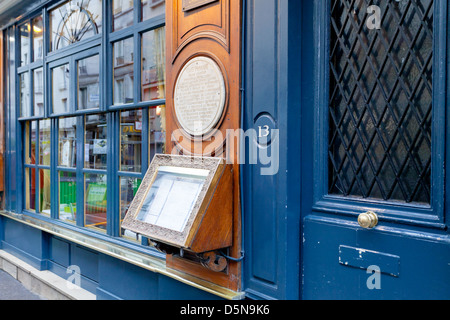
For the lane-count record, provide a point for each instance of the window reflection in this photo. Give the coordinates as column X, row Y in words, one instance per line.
column 95, row 205
column 67, row 142
column 74, row 21
column 30, row 142
column 123, row 14
column 38, row 92
column 152, row 8
column 88, row 83
column 25, row 110
column 38, row 38
column 60, row 89
column 95, row 152
column 24, row 31
column 128, row 189
column 131, row 141
column 153, row 65
column 123, row 71
column 30, row 182
column 44, row 142
column 157, row 130
column 44, row 191
column 67, row 196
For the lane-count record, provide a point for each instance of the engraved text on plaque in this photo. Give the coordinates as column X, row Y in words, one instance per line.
column 199, row 98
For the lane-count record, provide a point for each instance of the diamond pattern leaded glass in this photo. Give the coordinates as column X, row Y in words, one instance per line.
column 380, row 106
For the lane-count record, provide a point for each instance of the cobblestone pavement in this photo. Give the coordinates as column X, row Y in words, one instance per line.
column 11, row 289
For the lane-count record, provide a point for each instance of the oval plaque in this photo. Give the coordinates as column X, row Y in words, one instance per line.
column 199, row 98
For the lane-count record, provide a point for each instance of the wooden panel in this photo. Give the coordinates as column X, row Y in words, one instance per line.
column 207, row 22
column 212, row 30
column 215, row 230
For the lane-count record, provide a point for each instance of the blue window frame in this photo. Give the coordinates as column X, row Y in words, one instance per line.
column 96, row 151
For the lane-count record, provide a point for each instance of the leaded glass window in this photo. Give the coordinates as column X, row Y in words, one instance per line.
column 74, row 21
column 380, row 103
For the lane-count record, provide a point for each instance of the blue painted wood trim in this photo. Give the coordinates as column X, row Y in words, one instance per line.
column 271, row 203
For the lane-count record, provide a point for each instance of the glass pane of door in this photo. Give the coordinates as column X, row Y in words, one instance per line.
column 380, row 104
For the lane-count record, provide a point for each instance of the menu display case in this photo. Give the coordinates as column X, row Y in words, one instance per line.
column 184, row 203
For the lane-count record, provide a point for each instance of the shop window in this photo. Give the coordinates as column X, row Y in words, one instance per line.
column 67, row 196
column 37, row 173
column 67, row 142
column 153, row 65
column 123, row 14
column 74, row 21
column 152, row 8
column 380, row 103
column 60, row 89
column 30, row 163
column 88, row 136
column 95, row 201
column 123, row 70
column 38, row 38
column 157, row 130
column 67, row 159
column 128, row 189
column 30, row 188
column 88, row 83
column 44, row 142
column 131, row 141
column 96, row 142
column 38, row 93
column 24, row 31
column 44, row 191
column 25, row 110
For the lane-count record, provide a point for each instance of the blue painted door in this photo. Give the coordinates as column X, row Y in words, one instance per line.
column 373, row 109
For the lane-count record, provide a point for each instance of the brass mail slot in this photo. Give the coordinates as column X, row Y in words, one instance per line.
column 193, row 4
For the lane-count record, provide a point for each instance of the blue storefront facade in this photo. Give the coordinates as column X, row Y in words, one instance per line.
column 353, row 94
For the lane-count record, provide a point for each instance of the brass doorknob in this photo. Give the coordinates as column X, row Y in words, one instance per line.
column 368, row 220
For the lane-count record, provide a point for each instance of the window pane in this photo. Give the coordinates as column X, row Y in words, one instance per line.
column 131, row 141
column 30, row 187
column 30, row 142
column 157, row 130
column 44, row 142
column 74, row 21
column 38, row 93
column 123, row 71
column 381, row 102
column 25, row 107
column 153, row 65
column 95, row 142
column 24, row 31
column 123, row 14
column 152, row 8
column 128, row 189
column 67, row 142
column 88, row 83
column 38, row 38
column 95, row 206
column 44, row 191
column 60, row 89
column 67, row 196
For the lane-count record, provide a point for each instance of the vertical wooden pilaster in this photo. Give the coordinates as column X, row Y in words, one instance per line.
column 212, row 29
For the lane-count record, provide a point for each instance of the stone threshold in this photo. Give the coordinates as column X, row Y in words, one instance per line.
column 45, row 284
